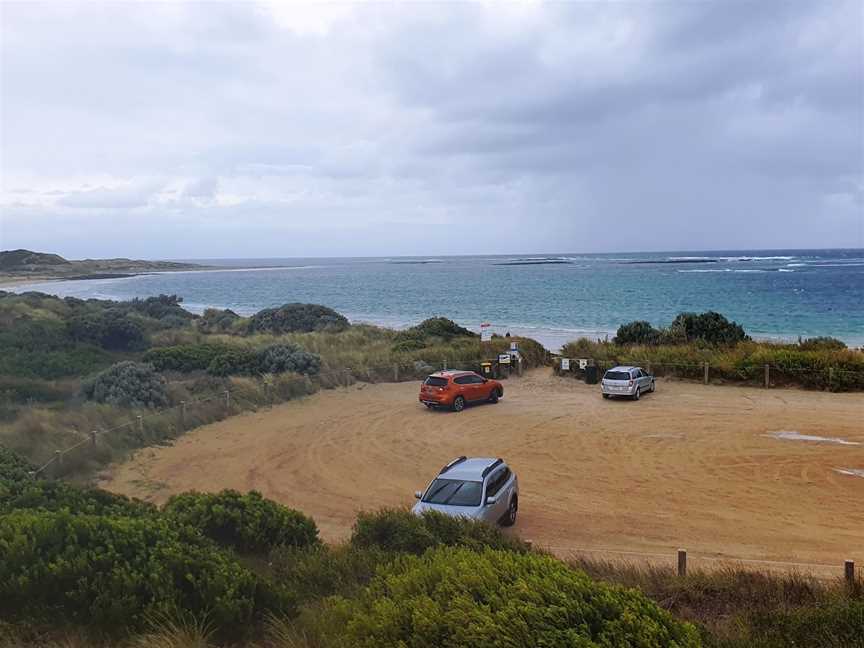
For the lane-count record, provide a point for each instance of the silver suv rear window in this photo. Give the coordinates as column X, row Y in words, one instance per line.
column 435, row 381
column 617, row 375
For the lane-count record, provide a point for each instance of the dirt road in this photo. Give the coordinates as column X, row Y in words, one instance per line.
column 689, row 466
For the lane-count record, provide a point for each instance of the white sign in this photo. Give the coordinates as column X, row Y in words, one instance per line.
column 504, row 358
column 485, row 332
column 514, row 346
column 565, row 364
column 583, row 363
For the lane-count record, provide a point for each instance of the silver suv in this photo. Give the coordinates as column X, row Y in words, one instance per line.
column 479, row 488
column 627, row 381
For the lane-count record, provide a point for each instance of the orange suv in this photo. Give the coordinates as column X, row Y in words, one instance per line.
column 455, row 389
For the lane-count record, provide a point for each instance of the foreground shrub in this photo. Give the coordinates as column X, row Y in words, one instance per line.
column 13, row 467
column 110, row 329
column 46, row 495
column 127, row 384
column 709, row 327
column 215, row 320
column 184, row 357
column 457, row 597
column 429, row 331
column 296, row 318
column 247, row 522
column 401, row 530
column 113, row 573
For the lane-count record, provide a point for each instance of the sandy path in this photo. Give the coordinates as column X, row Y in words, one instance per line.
column 689, row 466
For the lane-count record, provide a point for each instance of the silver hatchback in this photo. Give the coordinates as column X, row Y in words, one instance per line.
column 479, row 488
column 627, row 381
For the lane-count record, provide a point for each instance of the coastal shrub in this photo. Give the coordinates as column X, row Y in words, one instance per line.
column 236, row 361
column 456, row 597
column 110, row 329
column 292, row 318
column 184, row 357
column 639, row 332
column 166, row 308
column 821, row 343
column 247, row 522
column 127, row 384
column 429, row 331
column 112, row 573
column 401, row 530
column 709, row 327
column 13, row 467
column 215, row 320
column 50, row 495
column 281, row 358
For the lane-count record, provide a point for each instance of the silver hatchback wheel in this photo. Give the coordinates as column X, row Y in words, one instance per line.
column 636, row 395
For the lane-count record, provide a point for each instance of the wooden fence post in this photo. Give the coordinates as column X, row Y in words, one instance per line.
column 682, row 562
column 706, row 373
column 227, row 399
column 830, row 377
column 58, row 456
column 767, row 376
column 183, row 413
column 141, row 424
column 93, row 438
column 849, row 572
column 396, row 373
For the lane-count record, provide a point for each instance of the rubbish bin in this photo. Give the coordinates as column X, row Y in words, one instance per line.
column 486, row 369
column 591, row 375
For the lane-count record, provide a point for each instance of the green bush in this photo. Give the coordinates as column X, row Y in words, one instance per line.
column 127, row 384
column 218, row 321
column 282, row 358
column 429, row 331
column 249, row 522
column 46, row 495
column 821, row 344
column 457, row 597
column 165, row 308
column 234, row 361
column 184, row 357
column 709, row 327
column 13, row 467
column 110, row 329
column 640, row 332
column 401, row 530
column 293, row 318
column 113, row 572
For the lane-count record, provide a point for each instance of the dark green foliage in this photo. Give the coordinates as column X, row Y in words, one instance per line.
column 281, row 358
column 114, row 572
column 639, row 332
column 30, row 494
column 294, row 318
column 234, row 361
column 457, row 597
column 249, row 522
column 166, row 308
column 832, row 624
column 184, row 357
column 401, row 530
column 110, row 329
column 430, row 331
column 13, row 467
column 708, row 327
column 821, row 343
column 127, row 384
column 218, row 321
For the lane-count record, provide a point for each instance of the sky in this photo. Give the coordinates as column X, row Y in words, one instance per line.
column 207, row 130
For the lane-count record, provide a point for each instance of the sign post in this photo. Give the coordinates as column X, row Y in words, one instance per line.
column 485, row 332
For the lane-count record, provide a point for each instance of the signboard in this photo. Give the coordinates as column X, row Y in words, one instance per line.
column 514, row 346
column 485, row 332
column 504, row 358
column 565, row 364
column 583, row 362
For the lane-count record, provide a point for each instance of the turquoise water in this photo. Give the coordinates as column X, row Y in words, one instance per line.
column 774, row 294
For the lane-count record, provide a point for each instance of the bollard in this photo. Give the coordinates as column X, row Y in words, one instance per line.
column 93, row 438
column 140, row 424
column 395, row 373
column 227, row 400
column 830, row 377
column 706, row 373
column 58, row 457
column 682, row 562
column 183, row 413
column 767, row 376
column 849, row 572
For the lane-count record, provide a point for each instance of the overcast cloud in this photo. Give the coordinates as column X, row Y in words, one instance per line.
column 239, row 130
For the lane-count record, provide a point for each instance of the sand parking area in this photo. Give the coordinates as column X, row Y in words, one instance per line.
column 689, row 466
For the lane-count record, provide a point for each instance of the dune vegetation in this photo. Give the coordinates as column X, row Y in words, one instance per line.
column 143, row 371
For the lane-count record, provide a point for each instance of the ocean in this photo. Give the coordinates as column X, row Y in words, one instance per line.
column 775, row 294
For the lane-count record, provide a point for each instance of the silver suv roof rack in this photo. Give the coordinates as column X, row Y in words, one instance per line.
column 492, row 466
column 458, row 460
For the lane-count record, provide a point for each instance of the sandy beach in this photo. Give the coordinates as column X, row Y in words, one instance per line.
column 719, row 470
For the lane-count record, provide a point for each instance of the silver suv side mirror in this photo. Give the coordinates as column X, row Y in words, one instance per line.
column 491, row 500
column 418, row 494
